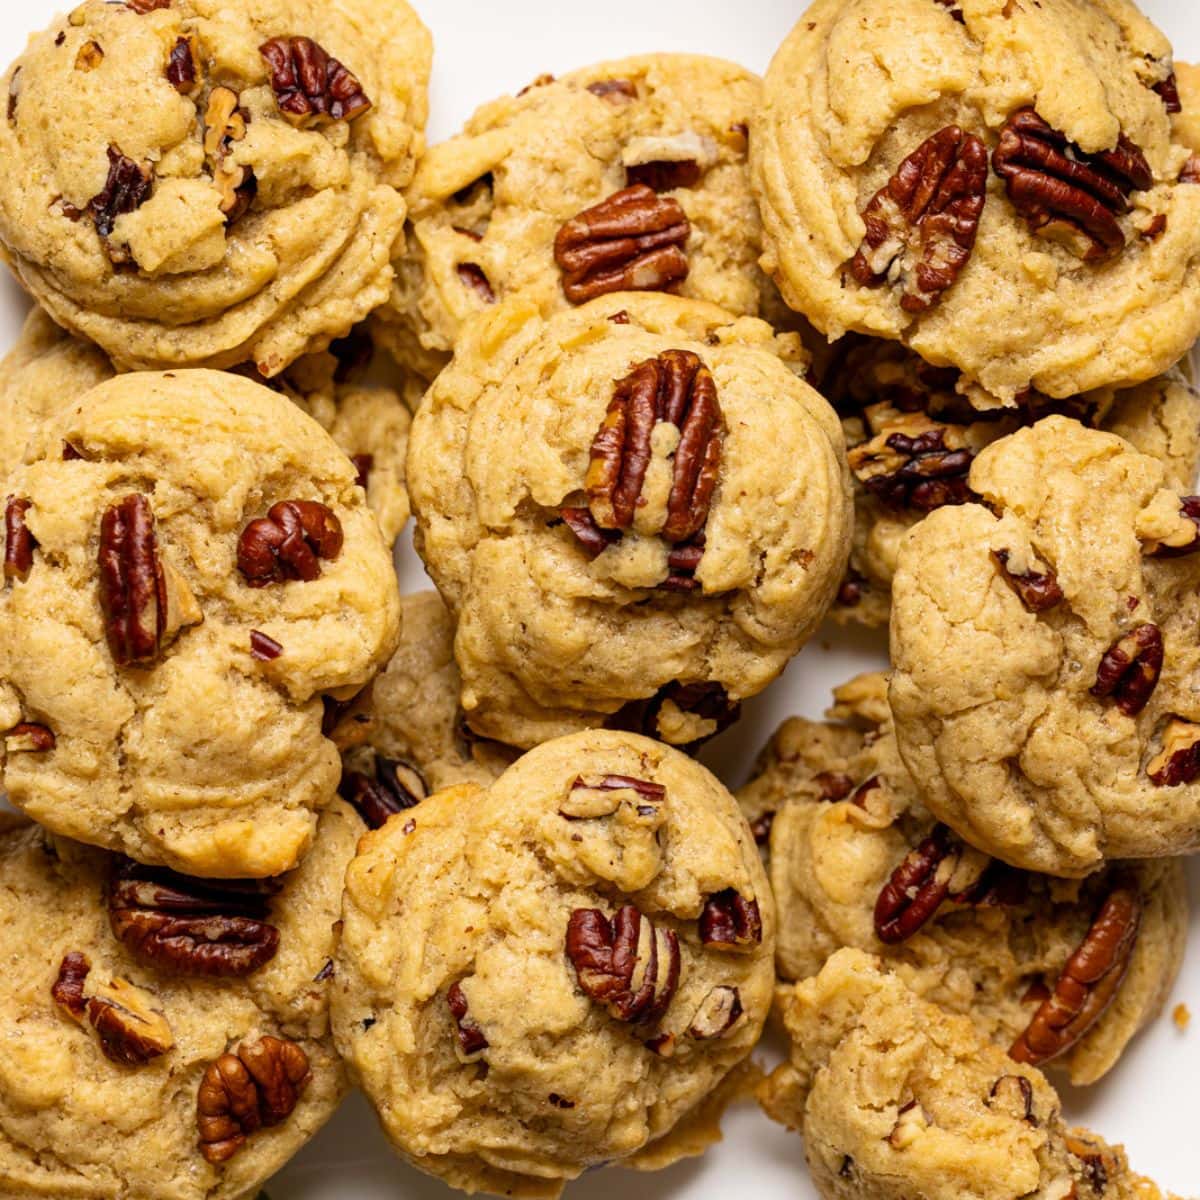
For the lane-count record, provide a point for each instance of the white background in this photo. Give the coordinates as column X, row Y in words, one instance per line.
column 488, row 47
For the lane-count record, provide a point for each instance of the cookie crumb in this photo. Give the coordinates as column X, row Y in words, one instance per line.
column 1182, row 1016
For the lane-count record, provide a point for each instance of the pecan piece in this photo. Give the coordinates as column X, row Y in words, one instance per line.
column 309, row 84
column 28, row 738
column 590, row 536
column 1039, row 590
column 1168, row 90
column 204, row 927
column 1089, row 982
column 731, row 922
column 1179, row 760
column 471, row 1040
column 914, row 464
column 1187, row 540
column 474, row 279
column 1095, row 1164
column 615, row 91
column 632, row 242
column 1014, row 1093
column 664, row 176
column 397, row 786
column 917, row 887
column 127, row 188
column 717, row 1015
column 181, row 66
column 241, row 1093
column 1130, row 668
column 1065, row 194
column 289, row 542
column 19, row 543
column 142, row 7
column 263, row 647
column 599, row 796
column 67, row 989
column 627, row 964
column 707, row 701
column 133, row 588
column 922, row 224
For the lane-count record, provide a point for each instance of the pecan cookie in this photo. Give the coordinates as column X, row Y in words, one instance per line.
column 166, row 1036
column 911, row 190
column 897, row 1098
column 912, row 436
column 207, row 182
column 551, row 973
column 627, row 175
column 636, row 511
column 1047, row 670
column 857, row 860
column 189, row 565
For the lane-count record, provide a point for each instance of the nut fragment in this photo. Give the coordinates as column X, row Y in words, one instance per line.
column 90, row 56
column 1014, row 1094
column 911, row 1122
column 263, row 647
column 224, row 127
column 1089, row 982
column 731, row 922
column 615, row 91
column 633, row 241
column 1168, row 89
column 28, row 738
column 717, row 1015
column 1064, row 193
column 1130, row 668
column 1039, row 590
column 627, row 964
column 922, row 224
column 19, row 542
column 67, row 989
column 181, row 66
column 471, row 1040
column 310, row 86
column 240, row 1093
column 289, row 542
column 1097, row 1165
column 664, row 176
column 1179, row 760
column 914, row 463
column 473, row 278
column 142, row 7
column 708, row 702
column 133, row 588
column 1185, row 539
column 596, row 796
column 204, row 927
column 917, row 887
column 397, row 786
column 127, row 188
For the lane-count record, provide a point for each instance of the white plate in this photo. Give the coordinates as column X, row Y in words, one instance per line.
column 484, row 49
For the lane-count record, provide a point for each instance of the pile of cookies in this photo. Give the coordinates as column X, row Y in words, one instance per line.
column 672, row 364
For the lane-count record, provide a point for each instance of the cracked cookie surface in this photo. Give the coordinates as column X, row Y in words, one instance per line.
column 551, row 973
column 1045, row 656
column 175, row 708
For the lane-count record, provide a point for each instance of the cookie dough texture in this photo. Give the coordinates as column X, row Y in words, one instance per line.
column 550, row 640
column 476, row 887
column 858, row 86
column 310, row 257
column 75, row 1125
column 1187, row 123
column 833, row 848
column 206, row 760
column 897, row 1098
column 494, row 197
column 995, row 710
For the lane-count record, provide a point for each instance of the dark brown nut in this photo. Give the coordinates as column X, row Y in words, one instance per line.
column 1097, row 1165
column 1187, row 540
column 264, row 648
column 835, row 786
column 615, row 91
column 1065, row 194
column 917, row 888
column 1168, row 89
column 627, row 964
column 954, row 10
column 241, row 1093
column 67, row 989
column 914, row 470
column 19, row 543
column 683, row 561
column 29, row 738
column 1130, row 668
column 922, row 224
column 204, row 927
column 664, row 176
column 127, row 188
column 1014, row 1094
column 133, row 589
column 632, row 242
column 1039, row 590
column 1191, row 170
column 1089, row 982
column 142, row 7
column 397, row 787
column 289, row 543
column 473, row 278
column 708, row 701
column 717, row 1015
column 731, row 922
column 181, row 66
column 224, row 126
column 590, row 536
column 364, row 464
column 310, row 86
column 131, row 1032
column 1179, row 760
column 471, row 1041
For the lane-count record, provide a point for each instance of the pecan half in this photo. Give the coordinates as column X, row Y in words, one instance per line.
column 397, row 786
column 917, row 887
column 127, row 188
column 28, row 738
column 627, row 964
column 1089, row 982
column 717, row 1015
column 310, row 85
column 133, row 589
column 241, row 1093
column 289, row 543
column 632, row 242
column 1179, row 760
column 731, row 922
column 471, row 1040
column 922, row 224
column 1130, row 668
column 914, row 465
column 1187, row 540
column 19, row 543
column 204, row 927
column 1039, row 590
column 1065, row 194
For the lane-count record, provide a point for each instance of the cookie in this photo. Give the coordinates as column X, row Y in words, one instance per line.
column 897, row 1098
column 550, row 973
column 1046, row 667
column 148, row 1006
column 175, row 193
column 533, row 199
column 189, row 566
column 911, row 191
column 636, row 511
column 848, row 838
column 1186, row 121
column 912, row 436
